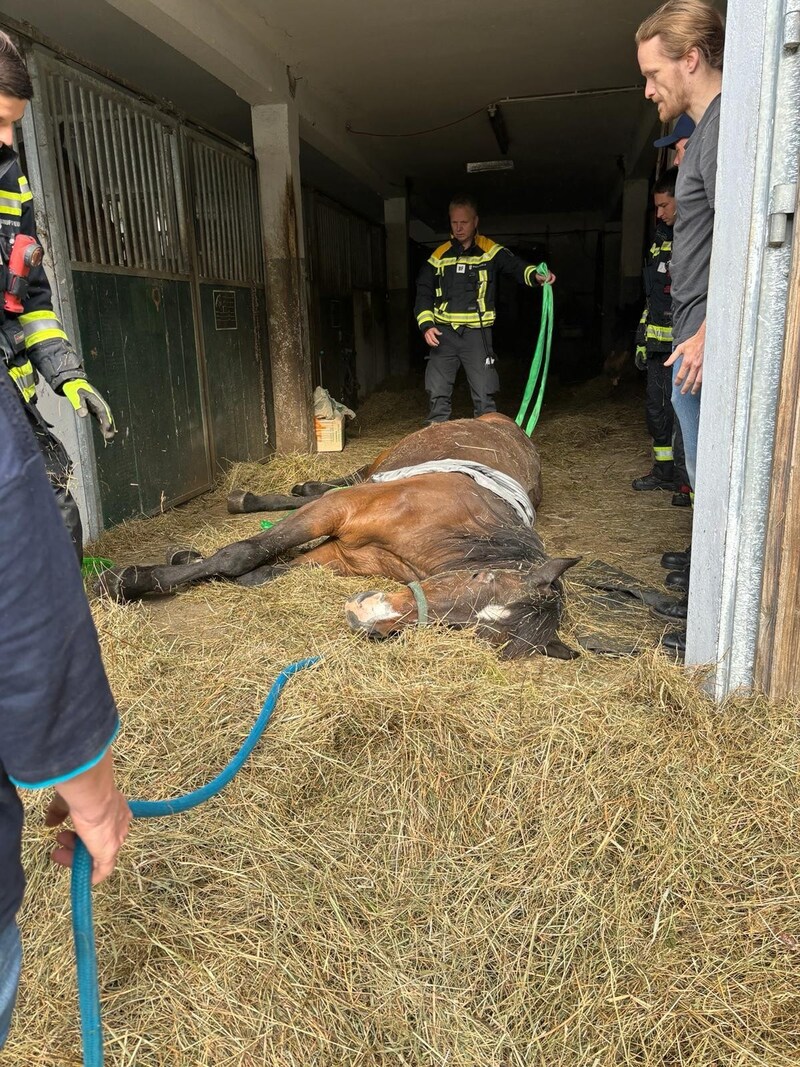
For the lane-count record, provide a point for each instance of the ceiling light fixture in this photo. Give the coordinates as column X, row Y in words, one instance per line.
column 490, row 164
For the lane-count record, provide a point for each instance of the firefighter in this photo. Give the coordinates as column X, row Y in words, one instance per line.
column 654, row 347
column 455, row 310
column 32, row 342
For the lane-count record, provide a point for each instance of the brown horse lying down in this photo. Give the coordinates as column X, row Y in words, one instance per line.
column 469, row 554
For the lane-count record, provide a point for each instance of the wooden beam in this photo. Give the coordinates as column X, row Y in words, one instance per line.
column 778, row 652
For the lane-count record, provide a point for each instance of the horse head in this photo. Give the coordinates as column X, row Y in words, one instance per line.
column 518, row 608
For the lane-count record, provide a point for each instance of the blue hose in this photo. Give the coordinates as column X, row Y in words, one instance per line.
column 81, row 890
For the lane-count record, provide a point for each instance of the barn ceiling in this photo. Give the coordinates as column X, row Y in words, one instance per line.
column 398, row 68
column 391, row 68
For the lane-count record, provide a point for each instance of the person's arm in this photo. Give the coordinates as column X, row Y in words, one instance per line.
column 520, row 271
column 99, row 813
column 423, row 306
column 47, row 345
column 692, row 351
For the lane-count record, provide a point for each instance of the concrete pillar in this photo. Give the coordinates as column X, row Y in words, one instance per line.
column 276, row 143
column 395, row 214
column 634, row 217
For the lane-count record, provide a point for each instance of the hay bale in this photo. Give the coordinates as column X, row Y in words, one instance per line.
column 432, row 857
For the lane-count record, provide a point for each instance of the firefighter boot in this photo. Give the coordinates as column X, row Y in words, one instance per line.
column 660, row 477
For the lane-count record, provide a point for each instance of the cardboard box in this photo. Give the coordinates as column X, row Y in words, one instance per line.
column 330, row 434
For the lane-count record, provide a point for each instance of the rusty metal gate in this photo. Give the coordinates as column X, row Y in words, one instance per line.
column 165, row 278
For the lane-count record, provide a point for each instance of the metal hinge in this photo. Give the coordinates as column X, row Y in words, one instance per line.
column 782, row 203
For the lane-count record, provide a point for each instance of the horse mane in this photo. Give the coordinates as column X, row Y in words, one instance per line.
column 506, row 547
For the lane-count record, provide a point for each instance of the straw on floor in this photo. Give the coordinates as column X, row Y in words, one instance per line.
column 433, row 857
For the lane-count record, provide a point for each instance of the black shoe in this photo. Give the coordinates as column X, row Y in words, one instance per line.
column 678, row 580
column 675, row 642
column 683, row 498
column 675, row 561
column 649, row 482
column 671, row 610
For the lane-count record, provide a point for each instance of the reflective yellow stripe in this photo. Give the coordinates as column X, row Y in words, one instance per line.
column 530, row 274
column 39, row 336
column 658, row 333
column 471, row 261
column 663, row 453
column 37, row 316
column 483, row 275
column 425, row 316
column 24, row 379
column 469, row 318
column 40, row 326
column 24, row 189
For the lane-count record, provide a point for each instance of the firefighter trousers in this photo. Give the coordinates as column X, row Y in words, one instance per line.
column 468, row 348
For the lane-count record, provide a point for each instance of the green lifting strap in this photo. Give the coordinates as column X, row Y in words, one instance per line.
column 541, row 358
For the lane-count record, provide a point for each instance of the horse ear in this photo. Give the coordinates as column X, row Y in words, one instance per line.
column 552, row 570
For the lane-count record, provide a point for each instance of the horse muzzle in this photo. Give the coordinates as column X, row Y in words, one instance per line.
column 373, row 612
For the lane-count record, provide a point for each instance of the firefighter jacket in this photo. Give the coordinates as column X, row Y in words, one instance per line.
column 35, row 338
column 458, row 287
column 655, row 326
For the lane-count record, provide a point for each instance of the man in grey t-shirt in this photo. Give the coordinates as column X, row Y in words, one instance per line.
column 680, row 50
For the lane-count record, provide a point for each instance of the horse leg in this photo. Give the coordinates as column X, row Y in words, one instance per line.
column 319, row 518
column 241, row 502
column 315, row 489
column 176, row 554
column 261, row 575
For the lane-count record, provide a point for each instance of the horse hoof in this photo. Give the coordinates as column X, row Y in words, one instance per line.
column 111, row 583
column 238, row 501
column 175, row 556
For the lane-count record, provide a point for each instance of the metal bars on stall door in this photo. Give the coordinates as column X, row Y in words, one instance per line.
column 226, row 215
column 115, row 167
column 348, row 251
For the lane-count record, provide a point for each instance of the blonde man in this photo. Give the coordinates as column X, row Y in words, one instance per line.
column 680, row 53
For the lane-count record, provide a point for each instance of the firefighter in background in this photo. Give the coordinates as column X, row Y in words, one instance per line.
column 654, row 347
column 455, row 310
column 32, row 341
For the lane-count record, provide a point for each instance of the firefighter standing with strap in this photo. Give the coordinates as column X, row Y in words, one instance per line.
column 654, row 347
column 455, row 310
column 32, row 341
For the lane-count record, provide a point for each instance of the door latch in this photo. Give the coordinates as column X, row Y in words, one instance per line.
column 782, row 203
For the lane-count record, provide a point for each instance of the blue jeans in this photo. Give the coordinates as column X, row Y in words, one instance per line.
column 10, row 967
column 687, row 409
